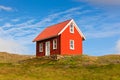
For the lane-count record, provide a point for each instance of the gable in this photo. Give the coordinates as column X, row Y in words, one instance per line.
column 75, row 26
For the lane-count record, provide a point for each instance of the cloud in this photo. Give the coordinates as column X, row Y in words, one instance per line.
column 34, row 26
column 104, row 30
column 15, row 20
column 118, row 46
column 8, row 44
column 7, row 25
column 11, row 46
column 99, row 24
column 57, row 15
column 5, row 8
column 103, row 2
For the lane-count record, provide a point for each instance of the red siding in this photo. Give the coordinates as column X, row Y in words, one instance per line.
column 55, row 51
column 66, row 36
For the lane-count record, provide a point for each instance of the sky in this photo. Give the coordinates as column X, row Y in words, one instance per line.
column 22, row 20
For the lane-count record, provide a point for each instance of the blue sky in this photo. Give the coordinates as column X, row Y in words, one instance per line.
column 22, row 20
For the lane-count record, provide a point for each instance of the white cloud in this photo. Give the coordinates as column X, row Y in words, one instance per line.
column 102, row 34
column 15, row 20
column 104, row 30
column 11, row 46
column 7, row 25
column 100, row 24
column 57, row 15
column 5, row 8
column 103, row 2
column 118, row 46
column 8, row 44
column 33, row 26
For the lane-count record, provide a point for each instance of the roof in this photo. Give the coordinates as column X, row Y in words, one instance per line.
column 55, row 30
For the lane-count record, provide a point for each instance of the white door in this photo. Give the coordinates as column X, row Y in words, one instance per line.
column 47, row 48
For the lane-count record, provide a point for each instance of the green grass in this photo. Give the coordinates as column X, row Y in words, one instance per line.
column 68, row 68
column 10, row 58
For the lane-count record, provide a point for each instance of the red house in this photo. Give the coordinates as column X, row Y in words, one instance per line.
column 64, row 38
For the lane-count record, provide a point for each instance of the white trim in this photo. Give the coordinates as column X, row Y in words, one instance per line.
column 55, row 44
column 79, row 30
column 64, row 28
column 73, row 44
column 75, row 27
column 47, row 48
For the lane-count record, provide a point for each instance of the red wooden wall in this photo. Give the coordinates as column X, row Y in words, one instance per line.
column 66, row 36
column 52, row 51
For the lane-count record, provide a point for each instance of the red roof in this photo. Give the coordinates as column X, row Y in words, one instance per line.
column 51, row 31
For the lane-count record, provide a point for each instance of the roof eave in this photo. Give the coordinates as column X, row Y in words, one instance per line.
column 45, row 38
column 83, row 38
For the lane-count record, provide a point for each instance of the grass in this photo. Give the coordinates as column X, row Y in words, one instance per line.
column 10, row 58
column 69, row 68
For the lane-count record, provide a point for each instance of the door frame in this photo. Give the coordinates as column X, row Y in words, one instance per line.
column 47, row 48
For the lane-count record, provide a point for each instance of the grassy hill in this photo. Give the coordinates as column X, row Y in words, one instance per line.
column 68, row 68
column 10, row 58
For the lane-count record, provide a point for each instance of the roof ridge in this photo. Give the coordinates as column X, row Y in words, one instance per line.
column 59, row 23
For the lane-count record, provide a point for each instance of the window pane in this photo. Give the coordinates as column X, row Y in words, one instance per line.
column 55, row 44
column 41, row 47
column 71, row 28
column 71, row 44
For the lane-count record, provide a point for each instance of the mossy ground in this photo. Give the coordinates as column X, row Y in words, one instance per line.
column 68, row 68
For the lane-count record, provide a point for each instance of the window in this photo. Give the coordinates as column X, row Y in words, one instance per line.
column 41, row 47
column 72, row 28
column 55, row 44
column 72, row 44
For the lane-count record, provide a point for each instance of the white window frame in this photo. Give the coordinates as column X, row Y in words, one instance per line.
column 55, row 44
column 71, row 28
column 40, row 47
column 72, row 44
